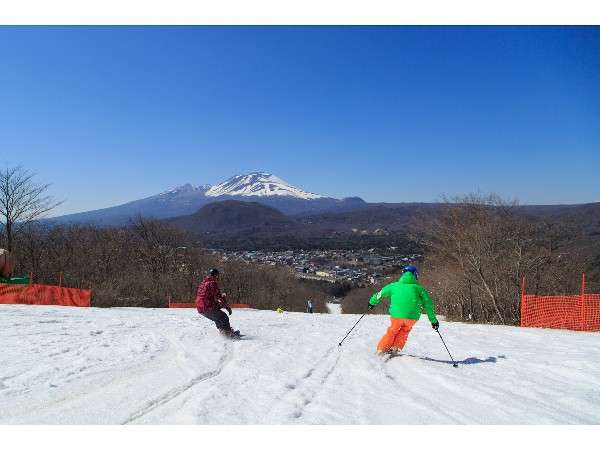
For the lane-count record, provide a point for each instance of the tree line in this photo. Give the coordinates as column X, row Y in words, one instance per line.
column 147, row 263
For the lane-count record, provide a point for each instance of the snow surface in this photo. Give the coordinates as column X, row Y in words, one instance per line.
column 159, row 366
column 259, row 184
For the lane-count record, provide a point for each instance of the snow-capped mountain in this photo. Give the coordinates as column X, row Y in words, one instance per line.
column 259, row 184
column 260, row 187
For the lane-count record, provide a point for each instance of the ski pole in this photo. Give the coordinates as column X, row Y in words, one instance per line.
column 454, row 363
column 348, row 333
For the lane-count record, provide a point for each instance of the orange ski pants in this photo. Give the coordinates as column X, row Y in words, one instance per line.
column 396, row 335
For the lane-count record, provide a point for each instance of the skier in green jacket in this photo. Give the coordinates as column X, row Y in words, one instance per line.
column 408, row 299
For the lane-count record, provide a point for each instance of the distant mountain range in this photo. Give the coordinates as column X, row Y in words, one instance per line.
column 238, row 225
column 259, row 187
column 261, row 209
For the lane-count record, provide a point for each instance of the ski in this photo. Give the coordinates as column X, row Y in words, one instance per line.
column 385, row 357
column 389, row 357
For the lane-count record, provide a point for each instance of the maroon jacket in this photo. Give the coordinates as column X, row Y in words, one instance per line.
column 209, row 296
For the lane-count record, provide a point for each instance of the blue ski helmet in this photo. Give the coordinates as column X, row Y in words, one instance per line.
column 412, row 269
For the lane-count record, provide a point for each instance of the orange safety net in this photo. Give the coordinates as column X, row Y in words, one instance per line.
column 193, row 305
column 39, row 294
column 592, row 312
column 571, row 312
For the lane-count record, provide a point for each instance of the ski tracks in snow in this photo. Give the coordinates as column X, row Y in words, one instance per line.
column 301, row 393
column 412, row 394
column 178, row 391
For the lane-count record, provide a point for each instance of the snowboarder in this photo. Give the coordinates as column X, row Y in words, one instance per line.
column 210, row 301
column 309, row 307
column 408, row 298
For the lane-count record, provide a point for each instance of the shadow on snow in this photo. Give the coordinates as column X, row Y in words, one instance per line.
column 467, row 361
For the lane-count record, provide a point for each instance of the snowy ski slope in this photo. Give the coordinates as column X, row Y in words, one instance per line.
column 159, row 366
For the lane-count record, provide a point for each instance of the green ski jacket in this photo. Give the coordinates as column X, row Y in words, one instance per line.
column 408, row 299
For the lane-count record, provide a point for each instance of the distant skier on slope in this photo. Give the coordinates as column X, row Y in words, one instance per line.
column 408, row 297
column 210, row 301
column 309, row 307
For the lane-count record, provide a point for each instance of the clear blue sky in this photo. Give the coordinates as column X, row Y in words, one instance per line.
column 112, row 114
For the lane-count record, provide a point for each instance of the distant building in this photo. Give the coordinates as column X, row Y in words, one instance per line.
column 321, row 273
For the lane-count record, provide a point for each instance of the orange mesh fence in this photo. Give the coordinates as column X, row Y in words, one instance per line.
column 571, row 312
column 592, row 312
column 182, row 305
column 39, row 294
column 193, row 305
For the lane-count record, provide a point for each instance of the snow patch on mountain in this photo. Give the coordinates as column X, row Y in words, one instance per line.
column 259, row 184
column 184, row 189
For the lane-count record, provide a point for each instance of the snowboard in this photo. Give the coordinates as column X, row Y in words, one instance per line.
column 236, row 336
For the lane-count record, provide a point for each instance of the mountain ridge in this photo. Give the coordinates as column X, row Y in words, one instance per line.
column 333, row 215
column 233, row 216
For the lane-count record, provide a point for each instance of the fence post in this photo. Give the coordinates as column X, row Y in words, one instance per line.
column 583, row 315
column 522, row 299
column 60, row 279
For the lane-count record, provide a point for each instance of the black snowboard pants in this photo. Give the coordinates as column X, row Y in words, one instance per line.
column 219, row 318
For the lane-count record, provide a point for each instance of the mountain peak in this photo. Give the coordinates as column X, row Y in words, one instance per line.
column 184, row 189
column 259, row 184
column 178, row 189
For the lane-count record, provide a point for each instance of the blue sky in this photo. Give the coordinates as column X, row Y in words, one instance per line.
column 112, row 114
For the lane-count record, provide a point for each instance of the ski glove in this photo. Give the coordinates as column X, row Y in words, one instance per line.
column 435, row 325
column 228, row 309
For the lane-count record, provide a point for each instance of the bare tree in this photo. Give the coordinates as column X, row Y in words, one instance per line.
column 22, row 201
column 478, row 248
